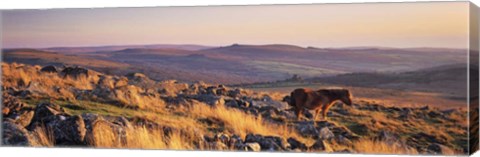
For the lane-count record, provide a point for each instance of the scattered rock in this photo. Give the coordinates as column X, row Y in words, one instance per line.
column 49, row 69
column 439, row 149
column 211, row 100
column 307, row 129
column 326, row 134
column 45, row 113
column 74, row 72
column 268, row 143
column 224, row 138
column 387, row 137
column 252, row 146
column 217, row 146
column 321, row 145
column 70, row 131
column 15, row 135
column 10, row 104
column 24, row 118
column 295, row 144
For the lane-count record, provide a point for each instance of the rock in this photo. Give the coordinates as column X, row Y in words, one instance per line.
column 307, row 129
column 236, row 93
column 122, row 81
column 321, row 145
column 70, row 131
column 405, row 114
column 387, row 137
column 10, row 104
column 232, row 103
column 217, row 146
column 106, row 81
column 429, row 138
column 425, row 108
column 346, row 151
column 274, row 143
column 24, row 118
column 44, row 113
column 74, row 72
column 235, row 142
column 439, row 149
column 122, row 121
column 326, row 134
column 15, row 135
column 252, row 146
column 224, row 138
column 295, row 144
column 269, row 143
column 435, row 114
column 211, row 100
column 243, row 103
column 253, row 138
column 97, row 128
column 344, row 141
column 49, row 69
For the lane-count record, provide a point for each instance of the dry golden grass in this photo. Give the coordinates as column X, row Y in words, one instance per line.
column 241, row 123
column 54, row 86
column 18, row 75
column 43, row 136
column 140, row 138
column 380, row 147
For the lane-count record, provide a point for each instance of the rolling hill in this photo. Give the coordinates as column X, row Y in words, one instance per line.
column 239, row 63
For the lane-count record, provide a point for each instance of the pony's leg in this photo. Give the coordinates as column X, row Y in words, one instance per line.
column 298, row 112
column 317, row 111
column 324, row 115
column 325, row 111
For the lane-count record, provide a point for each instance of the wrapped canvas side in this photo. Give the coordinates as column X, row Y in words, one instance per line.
column 473, row 78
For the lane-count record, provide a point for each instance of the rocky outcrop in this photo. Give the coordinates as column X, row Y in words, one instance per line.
column 49, row 69
column 16, row 135
column 75, row 72
column 10, row 104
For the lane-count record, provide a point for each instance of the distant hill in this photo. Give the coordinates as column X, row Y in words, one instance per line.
column 240, row 63
column 448, row 79
column 190, row 47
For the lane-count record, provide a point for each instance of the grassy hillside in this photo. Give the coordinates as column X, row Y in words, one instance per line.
column 92, row 109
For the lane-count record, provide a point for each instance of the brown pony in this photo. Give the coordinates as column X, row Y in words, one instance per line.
column 323, row 99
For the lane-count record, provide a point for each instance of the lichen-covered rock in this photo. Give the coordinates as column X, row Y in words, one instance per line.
column 68, row 131
column 10, row 104
column 439, row 149
column 252, row 146
column 268, row 143
column 326, row 134
column 24, row 117
column 321, row 145
column 15, row 135
column 295, row 144
column 209, row 99
column 98, row 128
column 49, row 69
column 74, row 72
column 387, row 137
column 45, row 113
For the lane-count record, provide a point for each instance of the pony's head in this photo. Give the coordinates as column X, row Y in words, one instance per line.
column 346, row 97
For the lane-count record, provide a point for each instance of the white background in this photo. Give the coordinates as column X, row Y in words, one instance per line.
column 80, row 152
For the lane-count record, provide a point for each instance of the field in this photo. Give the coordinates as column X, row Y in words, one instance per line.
column 74, row 106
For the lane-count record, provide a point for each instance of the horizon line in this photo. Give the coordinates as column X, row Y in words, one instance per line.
column 218, row 46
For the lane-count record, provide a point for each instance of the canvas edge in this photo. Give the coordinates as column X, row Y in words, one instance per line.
column 473, row 79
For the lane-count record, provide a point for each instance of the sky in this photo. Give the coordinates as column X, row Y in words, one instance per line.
column 440, row 24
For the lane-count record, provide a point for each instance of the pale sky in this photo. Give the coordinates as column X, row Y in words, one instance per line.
column 440, row 24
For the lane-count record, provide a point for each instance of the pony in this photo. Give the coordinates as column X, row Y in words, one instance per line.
column 319, row 100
